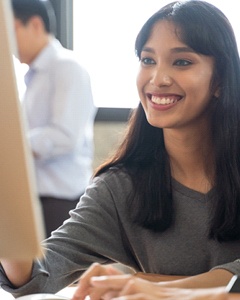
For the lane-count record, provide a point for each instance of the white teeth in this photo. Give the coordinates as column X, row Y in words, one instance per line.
column 163, row 100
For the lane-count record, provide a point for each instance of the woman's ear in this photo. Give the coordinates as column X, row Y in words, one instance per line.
column 216, row 94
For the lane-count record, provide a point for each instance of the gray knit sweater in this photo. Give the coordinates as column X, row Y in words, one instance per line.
column 100, row 230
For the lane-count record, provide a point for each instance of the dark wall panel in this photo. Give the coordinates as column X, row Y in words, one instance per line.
column 64, row 13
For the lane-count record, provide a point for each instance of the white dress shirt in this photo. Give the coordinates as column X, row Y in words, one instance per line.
column 60, row 114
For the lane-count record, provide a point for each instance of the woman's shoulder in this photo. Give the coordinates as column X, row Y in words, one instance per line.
column 112, row 186
column 114, row 175
column 115, row 182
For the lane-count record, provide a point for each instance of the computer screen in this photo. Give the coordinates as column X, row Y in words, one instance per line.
column 21, row 225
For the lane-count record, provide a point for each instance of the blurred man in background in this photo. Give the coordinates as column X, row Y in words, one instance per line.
column 59, row 110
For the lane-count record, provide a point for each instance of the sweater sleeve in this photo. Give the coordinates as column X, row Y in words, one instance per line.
column 92, row 234
column 233, row 267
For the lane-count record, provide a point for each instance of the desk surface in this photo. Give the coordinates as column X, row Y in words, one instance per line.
column 5, row 296
column 67, row 292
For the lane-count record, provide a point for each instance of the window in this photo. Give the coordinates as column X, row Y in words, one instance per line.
column 104, row 35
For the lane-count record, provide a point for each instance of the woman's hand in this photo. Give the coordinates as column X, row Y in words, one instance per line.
column 85, row 287
column 106, row 287
column 128, row 287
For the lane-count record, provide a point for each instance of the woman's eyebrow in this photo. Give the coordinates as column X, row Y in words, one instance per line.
column 173, row 50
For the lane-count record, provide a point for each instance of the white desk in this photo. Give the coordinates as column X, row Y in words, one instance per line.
column 5, row 296
column 67, row 292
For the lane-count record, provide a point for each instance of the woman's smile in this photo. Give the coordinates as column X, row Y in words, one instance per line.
column 163, row 101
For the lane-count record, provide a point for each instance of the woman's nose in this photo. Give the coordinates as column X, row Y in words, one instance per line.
column 160, row 78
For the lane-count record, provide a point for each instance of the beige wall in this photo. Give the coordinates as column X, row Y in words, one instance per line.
column 107, row 135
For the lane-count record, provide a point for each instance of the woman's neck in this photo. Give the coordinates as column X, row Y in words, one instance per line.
column 190, row 155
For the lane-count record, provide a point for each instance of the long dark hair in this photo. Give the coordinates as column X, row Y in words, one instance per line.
column 142, row 153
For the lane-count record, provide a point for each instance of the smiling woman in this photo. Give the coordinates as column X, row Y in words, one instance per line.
column 174, row 192
column 106, row 45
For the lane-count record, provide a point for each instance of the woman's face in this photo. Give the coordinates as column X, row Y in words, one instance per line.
column 173, row 81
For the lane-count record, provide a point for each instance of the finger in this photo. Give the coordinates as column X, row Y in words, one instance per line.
column 109, row 295
column 111, row 282
column 84, row 282
column 98, row 293
column 106, row 291
column 139, row 296
column 137, row 286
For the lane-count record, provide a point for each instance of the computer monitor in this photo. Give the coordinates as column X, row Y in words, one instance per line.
column 21, row 225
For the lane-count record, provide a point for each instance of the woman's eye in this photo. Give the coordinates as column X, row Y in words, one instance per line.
column 182, row 62
column 147, row 61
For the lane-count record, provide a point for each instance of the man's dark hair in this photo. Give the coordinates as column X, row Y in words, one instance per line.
column 26, row 9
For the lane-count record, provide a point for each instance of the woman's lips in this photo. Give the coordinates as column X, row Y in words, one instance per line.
column 164, row 99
